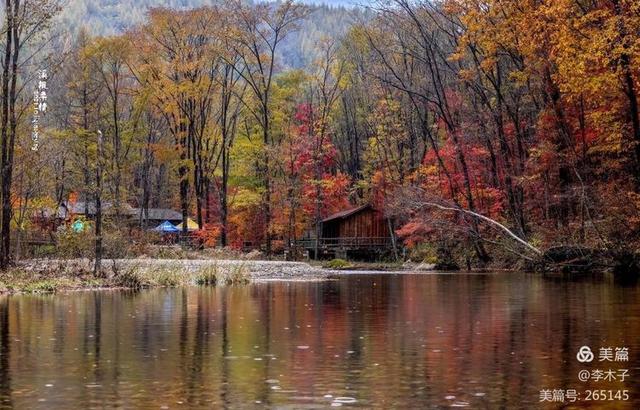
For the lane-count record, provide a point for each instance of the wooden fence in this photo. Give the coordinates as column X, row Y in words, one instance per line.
column 347, row 243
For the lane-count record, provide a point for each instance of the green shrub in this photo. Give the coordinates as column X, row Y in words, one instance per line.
column 424, row 252
column 93, row 283
column 41, row 286
column 337, row 264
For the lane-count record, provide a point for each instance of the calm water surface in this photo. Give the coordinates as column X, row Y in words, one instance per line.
column 385, row 341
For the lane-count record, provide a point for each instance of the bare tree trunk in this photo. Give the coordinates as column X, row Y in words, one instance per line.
column 267, row 186
column 4, row 251
column 143, row 217
column 394, row 242
column 8, row 130
column 184, row 198
column 563, row 141
column 227, row 130
column 98, row 248
column 207, row 200
column 86, row 171
column 223, row 194
column 117, row 154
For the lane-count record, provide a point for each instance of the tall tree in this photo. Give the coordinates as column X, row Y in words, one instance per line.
column 177, row 64
column 24, row 21
column 261, row 30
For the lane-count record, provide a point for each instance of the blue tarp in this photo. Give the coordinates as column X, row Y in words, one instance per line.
column 166, row 226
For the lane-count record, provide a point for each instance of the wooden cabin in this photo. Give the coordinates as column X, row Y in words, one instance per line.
column 361, row 232
column 360, row 222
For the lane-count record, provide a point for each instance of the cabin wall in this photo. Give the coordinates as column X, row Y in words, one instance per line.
column 365, row 224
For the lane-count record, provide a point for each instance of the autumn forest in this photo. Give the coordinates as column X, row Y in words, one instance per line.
column 488, row 133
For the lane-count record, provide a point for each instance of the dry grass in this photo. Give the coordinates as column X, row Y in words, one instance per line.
column 75, row 276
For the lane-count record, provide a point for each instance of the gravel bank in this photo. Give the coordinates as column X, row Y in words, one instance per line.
column 258, row 270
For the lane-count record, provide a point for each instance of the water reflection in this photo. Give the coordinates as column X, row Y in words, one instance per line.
column 416, row 341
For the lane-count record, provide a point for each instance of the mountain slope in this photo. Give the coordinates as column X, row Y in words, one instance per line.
column 108, row 17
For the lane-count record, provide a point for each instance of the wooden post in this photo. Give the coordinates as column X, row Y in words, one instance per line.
column 98, row 250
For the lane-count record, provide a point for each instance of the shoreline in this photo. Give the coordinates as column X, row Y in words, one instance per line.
column 35, row 276
column 59, row 275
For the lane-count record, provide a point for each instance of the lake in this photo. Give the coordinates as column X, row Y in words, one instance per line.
column 482, row 341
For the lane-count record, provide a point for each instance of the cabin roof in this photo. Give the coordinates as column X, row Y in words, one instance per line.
column 78, row 208
column 346, row 213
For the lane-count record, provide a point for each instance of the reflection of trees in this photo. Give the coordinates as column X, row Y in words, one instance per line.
column 97, row 335
column 184, row 324
column 5, row 352
column 264, row 301
column 417, row 338
column 224, row 385
column 194, row 373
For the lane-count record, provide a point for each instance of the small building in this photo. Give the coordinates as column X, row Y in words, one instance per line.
column 361, row 232
column 69, row 210
column 66, row 212
column 156, row 216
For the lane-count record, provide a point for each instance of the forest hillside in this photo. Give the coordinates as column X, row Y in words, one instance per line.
column 329, row 19
column 476, row 134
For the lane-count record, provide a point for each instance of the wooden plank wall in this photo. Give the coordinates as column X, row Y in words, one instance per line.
column 364, row 224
